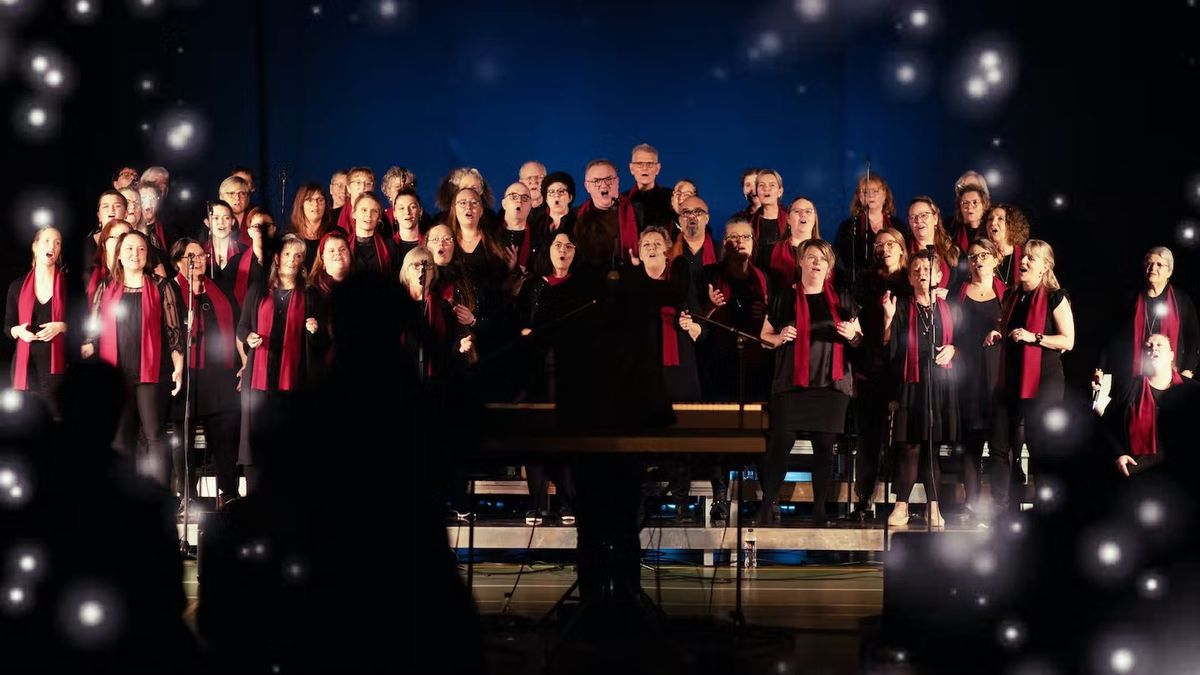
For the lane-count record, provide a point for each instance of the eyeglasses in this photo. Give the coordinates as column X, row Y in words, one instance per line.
column 886, row 245
column 465, row 203
column 366, row 184
column 738, row 237
column 982, row 255
column 261, row 224
column 872, row 192
column 607, row 180
column 517, row 197
column 693, row 213
column 969, row 203
column 236, row 193
column 440, row 240
column 804, row 212
column 537, row 178
column 920, row 217
column 556, row 192
column 127, row 174
column 563, row 246
column 315, row 200
column 644, row 165
column 684, row 193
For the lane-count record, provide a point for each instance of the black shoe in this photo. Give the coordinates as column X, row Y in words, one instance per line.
column 566, row 516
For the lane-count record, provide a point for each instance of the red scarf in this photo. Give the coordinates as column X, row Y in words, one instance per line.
column 758, row 216
column 554, row 281
column 800, row 352
column 99, row 274
column 381, row 251
column 293, row 336
column 1169, row 326
column 626, row 223
column 25, row 305
column 1031, row 354
column 1143, row 422
column 241, row 281
column 670, row 337
column 344, row 221
column 912, row 362
column 151, row 328
column 783, row 261
column 759, row 288
column 962, row 237
column 997, row 286
column 224, row 313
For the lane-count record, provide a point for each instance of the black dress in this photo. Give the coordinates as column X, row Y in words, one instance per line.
column 854, row 245
column 912, row 417
column 978, row 366
column 822, row 405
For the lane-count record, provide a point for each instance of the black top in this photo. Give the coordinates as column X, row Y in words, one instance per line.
column 1117, row 357
column 274, row 342
column 655, row 205
column 822, row 336
column 1051, row 378
column 226, row 277
column 129, row 327
column 860, row 250
column 366, row 257
column 39, row 352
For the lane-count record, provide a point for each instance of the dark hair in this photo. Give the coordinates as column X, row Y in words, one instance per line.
column 543, row 264
column 179, row 248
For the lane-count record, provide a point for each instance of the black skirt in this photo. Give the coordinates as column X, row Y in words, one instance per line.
column 820, row 409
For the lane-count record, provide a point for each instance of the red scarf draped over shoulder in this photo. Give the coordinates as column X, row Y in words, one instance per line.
column 293, row 337
column 1030, row 354
column 58, row 312
column 381, row 251
column 998, row 288
column 626, row 223
column 800, row 353
column 224, row 313
column 241, row 282
column 1143, row 420
column 151, row 328
column 912, row 362
column 1169, row 326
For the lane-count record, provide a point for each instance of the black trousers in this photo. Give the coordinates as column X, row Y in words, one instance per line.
column 1016, row 422
column 774, row 468
column 537, row 477
column 145, row 415
column 608, row 493
column 221, row 438
column 871, row 409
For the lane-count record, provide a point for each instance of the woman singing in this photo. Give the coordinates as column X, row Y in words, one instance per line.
column 1035, row 328
column 1008, row 229
column 918, row 330
column 35, row 317
column 277, row 325
column 979, row 300
column 803, row 225
column 810, row 327
column 213, row 364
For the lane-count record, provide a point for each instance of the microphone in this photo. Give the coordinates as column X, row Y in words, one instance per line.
column 929, row 252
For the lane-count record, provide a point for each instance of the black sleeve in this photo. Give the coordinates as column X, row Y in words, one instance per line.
column 171, row 315
column 780, row 309
column 11, row 312
column 1189, row 333
column 248, row 321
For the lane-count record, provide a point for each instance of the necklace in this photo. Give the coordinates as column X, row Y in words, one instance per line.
column 925, row 314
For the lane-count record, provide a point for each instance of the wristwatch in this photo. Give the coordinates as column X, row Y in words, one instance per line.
column 1037, row 338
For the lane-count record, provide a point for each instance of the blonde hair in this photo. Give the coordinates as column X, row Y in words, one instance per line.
column 1039, row 248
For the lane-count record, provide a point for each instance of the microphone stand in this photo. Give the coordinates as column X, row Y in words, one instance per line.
column 739, row 618
column 421, row 375
column 932, row 488
column 184, row 545
column 282, row 189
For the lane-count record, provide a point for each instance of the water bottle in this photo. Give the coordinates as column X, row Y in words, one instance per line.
column 750, row 549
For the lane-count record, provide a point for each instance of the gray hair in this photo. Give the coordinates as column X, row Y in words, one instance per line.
column 1164, row 253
